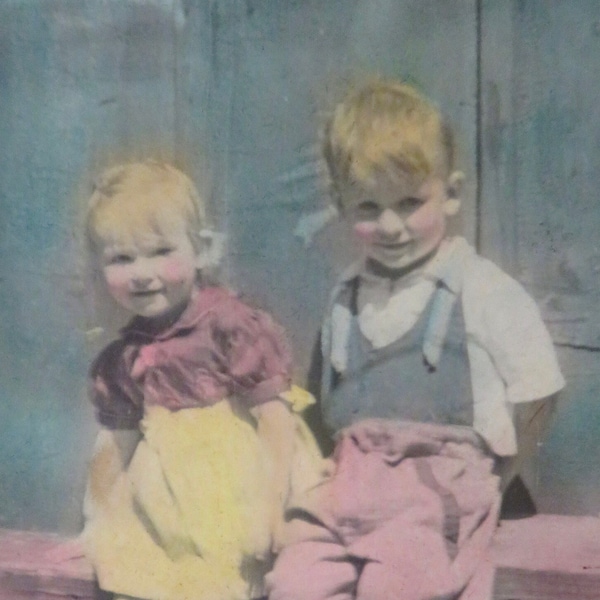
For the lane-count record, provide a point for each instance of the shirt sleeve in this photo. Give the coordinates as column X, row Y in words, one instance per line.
column 257, row 354
column 119, row 405
column 514, row 334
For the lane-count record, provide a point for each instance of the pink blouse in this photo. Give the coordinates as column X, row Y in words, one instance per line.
column 219, row 347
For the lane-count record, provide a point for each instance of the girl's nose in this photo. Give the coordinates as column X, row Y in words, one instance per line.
column 140, row 282
column 391, row 223
column 141, row 276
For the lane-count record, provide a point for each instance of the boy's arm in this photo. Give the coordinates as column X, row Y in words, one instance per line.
column 313, row 415
column 519, row 343
column 532, row 421
column 511, row 330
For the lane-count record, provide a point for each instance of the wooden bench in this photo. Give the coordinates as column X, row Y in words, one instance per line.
column 546, row 557
column 29, row 569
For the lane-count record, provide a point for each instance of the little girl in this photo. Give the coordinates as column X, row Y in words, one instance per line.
column 201, row 444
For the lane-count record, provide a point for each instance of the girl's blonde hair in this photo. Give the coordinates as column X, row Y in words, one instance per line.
column 385, row 126
column 134, row 199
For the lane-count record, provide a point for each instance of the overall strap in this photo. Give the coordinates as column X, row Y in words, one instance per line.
column 436, row 329
column 348, row 291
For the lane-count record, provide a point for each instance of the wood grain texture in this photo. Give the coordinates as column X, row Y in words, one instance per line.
column 294, row 61
column 29, row 568
column 539, row 220
column 547, row 557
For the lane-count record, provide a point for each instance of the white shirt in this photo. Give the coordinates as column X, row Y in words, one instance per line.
column 511, row 355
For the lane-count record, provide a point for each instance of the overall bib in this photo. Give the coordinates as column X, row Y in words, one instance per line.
column 398, row 381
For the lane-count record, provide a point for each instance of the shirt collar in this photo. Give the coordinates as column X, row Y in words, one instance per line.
column 444, row 268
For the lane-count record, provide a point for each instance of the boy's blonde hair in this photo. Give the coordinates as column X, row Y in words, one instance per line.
column 135, row 199
column 385, row 126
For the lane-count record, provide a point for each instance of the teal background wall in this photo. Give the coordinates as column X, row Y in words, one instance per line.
column 540, row 140
column 84, row 83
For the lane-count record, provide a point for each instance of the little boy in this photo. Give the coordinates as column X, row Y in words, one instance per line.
column 437, row 375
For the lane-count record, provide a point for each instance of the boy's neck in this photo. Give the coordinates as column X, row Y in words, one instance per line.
column 374, row 267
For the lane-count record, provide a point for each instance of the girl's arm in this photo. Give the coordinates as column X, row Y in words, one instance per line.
column 275, row 423
column 112, row 453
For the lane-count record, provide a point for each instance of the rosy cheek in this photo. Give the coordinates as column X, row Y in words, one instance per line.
column 174, row 270
column 365, row 230
column 115, row 278
column 426, row 221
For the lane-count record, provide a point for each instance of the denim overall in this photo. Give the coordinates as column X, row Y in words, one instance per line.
column 423, row 376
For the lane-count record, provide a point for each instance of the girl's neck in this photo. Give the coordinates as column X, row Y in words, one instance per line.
column 154, row 325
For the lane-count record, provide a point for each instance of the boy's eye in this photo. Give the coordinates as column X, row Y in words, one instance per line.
column 410, row 204
column 163, row 251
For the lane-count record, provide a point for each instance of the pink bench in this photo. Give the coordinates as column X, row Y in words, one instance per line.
column 546, row 557
column 30, row 570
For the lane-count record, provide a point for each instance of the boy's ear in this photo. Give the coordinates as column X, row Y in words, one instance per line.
column 456, row 179
column 454, row 191
column 451, row 206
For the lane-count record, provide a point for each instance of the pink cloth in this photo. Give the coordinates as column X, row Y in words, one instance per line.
column 408, row 513
column 219, row 347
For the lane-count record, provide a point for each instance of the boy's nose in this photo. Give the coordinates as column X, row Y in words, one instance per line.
column 391, row 223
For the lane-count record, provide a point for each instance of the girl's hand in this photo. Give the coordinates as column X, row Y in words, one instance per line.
column 277, row 531
column 65, row 551
column 276, row 427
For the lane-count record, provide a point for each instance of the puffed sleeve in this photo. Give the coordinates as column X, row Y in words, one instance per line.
column 118, row 401
column 256, row 351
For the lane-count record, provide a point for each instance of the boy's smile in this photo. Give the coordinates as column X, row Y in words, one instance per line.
column 399, row 220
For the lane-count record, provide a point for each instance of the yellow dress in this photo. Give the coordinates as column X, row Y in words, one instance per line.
column 189, row 516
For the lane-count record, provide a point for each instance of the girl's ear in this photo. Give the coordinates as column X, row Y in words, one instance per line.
column 454, row 192
column 211, row 250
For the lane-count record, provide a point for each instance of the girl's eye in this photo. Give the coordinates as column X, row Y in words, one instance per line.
column 120, row 259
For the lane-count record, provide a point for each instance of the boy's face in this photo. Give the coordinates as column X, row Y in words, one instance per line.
column 152, row 276
column 399, row 220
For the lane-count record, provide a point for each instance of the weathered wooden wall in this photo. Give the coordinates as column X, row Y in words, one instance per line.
column 540, row 215
column 86, row 82
column 80, row 81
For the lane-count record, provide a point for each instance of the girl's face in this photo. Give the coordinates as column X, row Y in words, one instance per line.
column 152, row 276
column 399, row 221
